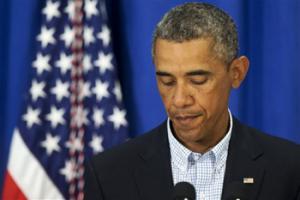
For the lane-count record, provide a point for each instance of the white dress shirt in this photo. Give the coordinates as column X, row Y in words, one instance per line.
column 204, row 171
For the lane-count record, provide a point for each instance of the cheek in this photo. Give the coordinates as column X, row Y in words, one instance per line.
column 213, row 99
column 165, row 96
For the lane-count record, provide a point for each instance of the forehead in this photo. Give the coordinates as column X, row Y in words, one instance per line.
column 183, row 56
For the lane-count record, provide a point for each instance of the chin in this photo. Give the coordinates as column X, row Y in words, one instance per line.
column 190, row 136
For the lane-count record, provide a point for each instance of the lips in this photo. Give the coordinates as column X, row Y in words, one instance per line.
column 186, row 120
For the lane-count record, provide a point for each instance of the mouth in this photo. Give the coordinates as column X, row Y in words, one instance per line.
column 186, row 120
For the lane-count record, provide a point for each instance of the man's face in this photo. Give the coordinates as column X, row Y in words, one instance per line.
column 194, row 85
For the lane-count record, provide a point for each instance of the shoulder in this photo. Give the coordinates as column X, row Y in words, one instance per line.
column 274, row 148
column 279, row 149
column 273, row 143
column 277, row 160
column 128, row 152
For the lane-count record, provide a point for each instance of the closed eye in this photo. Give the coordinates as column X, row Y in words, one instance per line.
column 165, row 78
column 199, row 80
column 167, row 81
column 198, row 77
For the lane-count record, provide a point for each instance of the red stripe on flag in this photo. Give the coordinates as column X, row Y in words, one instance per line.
column 11, row 190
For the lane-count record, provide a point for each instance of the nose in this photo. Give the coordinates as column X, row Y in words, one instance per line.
column 182, row 97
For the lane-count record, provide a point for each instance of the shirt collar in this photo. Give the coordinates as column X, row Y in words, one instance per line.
column 180, row 154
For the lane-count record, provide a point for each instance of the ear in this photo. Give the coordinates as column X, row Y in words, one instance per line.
column 238, row 70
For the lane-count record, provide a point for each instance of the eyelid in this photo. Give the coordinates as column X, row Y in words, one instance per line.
column 199, row 82
column 166, row 80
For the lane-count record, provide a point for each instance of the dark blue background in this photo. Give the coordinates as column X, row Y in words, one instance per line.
column 269, row 33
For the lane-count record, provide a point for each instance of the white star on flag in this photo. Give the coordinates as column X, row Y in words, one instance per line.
column 87, row 63
column 104, row 35
column 70, row 9
column 96, row 143
column 64, row 63
column 51, row 143
column 74, row 145
column 81, row 116
column 101, row 90
column 117, row 91
column 90, row 8
column 88, row 35
column 68, row 171
column 98, row 117
column 51, row 10
column 103, row 62
column 37, row 90
column 118, row 118
column 61, row 90
column 68, row 36
column 56, row 116
column 46, row 36
column 41, row 63
column 85, row 90
column 32, row 117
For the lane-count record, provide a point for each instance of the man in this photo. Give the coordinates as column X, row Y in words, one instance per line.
column 195, row 51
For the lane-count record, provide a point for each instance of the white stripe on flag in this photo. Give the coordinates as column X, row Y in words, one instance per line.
column 27, row 172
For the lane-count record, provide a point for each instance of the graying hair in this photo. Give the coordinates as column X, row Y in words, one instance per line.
column 199, row 20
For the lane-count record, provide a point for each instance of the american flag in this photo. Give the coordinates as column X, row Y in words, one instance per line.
column 73, row 108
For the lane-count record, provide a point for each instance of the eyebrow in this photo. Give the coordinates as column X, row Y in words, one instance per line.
column 199, row 72
column 161, row 73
